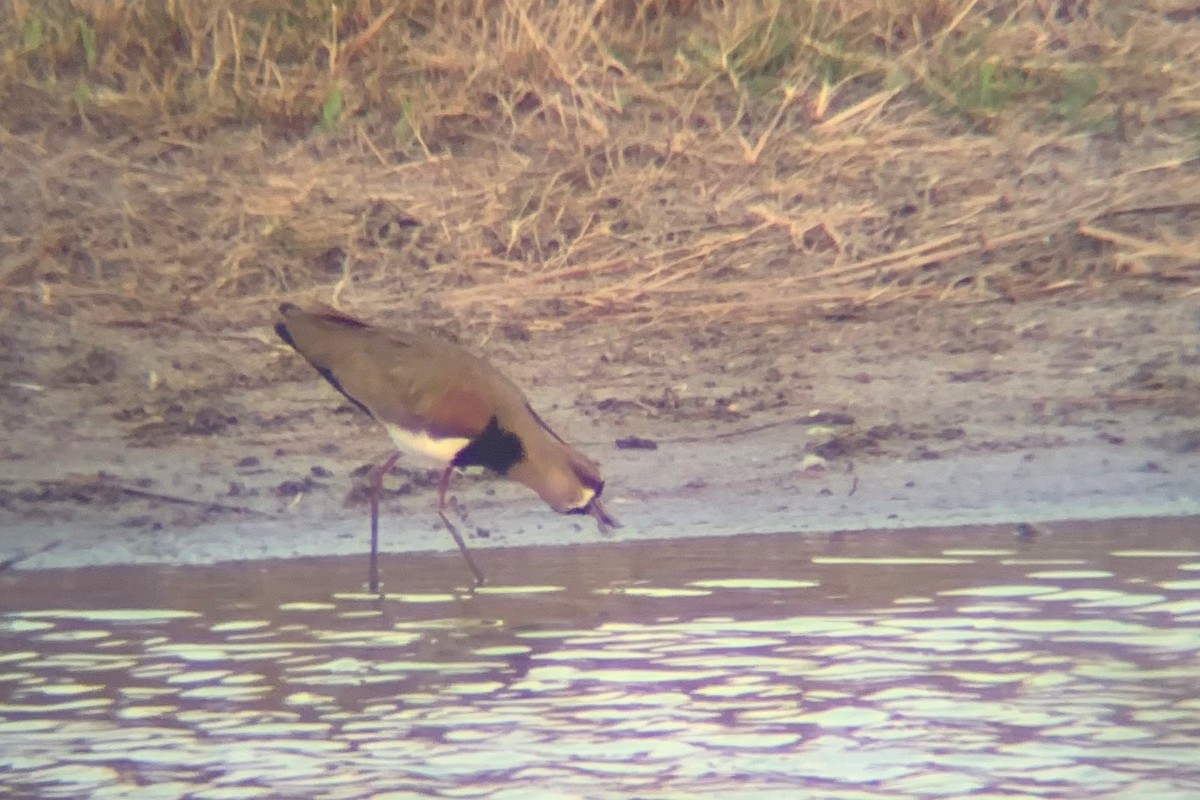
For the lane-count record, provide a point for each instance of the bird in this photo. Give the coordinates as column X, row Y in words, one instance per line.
column 443, row 404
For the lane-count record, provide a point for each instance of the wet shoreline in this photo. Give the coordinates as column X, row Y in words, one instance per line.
column 764, row 493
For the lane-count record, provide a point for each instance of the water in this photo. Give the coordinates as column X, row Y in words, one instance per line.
column 886, row 665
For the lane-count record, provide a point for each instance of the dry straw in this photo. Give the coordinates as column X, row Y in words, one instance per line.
column 552, row 163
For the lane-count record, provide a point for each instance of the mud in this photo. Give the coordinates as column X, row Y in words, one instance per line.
column 207, row 440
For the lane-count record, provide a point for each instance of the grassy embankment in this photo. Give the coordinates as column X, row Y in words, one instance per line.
column 547, row 163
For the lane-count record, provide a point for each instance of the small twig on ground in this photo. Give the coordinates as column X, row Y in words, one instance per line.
column 17, row 559
column 106, row 482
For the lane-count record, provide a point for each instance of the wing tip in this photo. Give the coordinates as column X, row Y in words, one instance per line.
column 281, row 330
column 322, row 312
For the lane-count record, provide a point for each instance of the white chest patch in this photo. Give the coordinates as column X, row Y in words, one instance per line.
column 419, row 443
column 587, row 495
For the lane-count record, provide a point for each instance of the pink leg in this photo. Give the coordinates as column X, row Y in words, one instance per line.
column 376, row 484
column 443, row 486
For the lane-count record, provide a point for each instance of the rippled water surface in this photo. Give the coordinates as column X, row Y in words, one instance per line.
column 883, row 665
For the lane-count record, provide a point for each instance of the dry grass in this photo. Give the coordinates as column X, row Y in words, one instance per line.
column 548, row 163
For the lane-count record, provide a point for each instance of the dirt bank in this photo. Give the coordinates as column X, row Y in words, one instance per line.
column 164, row 443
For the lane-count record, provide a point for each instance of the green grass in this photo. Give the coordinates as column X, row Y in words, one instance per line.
column 278, row 62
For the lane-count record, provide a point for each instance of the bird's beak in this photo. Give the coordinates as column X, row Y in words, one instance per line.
column 604, row 521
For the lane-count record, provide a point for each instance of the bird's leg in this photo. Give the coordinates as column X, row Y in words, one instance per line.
column 462, row 548
column 376, row 484
column 443, row 485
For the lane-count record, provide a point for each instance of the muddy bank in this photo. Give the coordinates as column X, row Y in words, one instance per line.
column 179, row 445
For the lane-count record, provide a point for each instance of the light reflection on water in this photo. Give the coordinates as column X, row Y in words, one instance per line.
column 857, row 666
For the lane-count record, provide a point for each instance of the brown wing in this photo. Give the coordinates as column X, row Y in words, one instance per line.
column 457, row 412
column 416, row 381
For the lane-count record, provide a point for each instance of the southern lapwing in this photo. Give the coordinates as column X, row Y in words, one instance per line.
column 442, row 403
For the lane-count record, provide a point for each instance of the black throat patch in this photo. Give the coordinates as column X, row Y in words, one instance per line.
column 495, row 448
